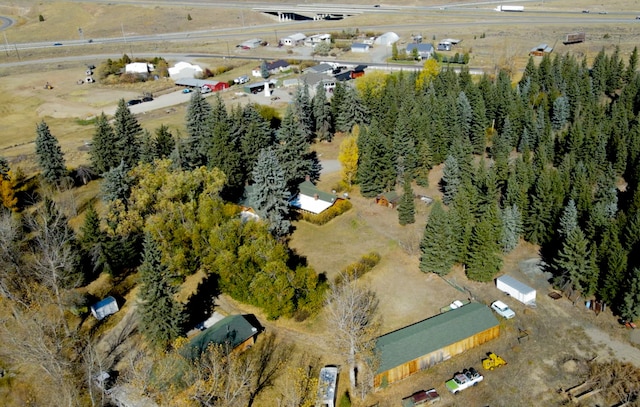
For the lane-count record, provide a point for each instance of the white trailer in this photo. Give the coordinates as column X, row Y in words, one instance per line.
column 516, row 289
column 510, row 8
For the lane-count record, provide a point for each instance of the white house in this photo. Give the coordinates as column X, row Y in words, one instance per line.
column 424, row 50
column 138, row 68
column 314, row 40
column 311, row 199
column 359, row 47
column 294, row 39
column 183, row 70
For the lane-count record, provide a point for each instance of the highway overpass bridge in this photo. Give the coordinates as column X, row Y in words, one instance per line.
column 304, row 12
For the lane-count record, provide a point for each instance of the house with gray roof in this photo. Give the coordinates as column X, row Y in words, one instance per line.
column 419, row 346
column 424, row 50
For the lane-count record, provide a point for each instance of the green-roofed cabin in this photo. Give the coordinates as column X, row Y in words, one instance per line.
column 421, row 345
column 389, row 199
column 239, row 332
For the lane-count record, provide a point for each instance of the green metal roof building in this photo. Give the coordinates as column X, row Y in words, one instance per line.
column 425, row 343
column 234, row 330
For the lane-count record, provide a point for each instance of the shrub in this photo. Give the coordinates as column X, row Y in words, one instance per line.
column 345, row 400
column 338, row 208
column 40, row 18
column 360, row 267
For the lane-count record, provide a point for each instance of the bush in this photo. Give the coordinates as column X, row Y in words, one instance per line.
column 345, row 400
column 338, row 208
column 361, row 267
column 40, row 18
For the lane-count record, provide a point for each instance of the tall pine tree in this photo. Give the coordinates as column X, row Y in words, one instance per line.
column 407, row 208
column 161, row 315
column 269, row 195
column 102, row 156
column 126, row 129
column 437, row 245
column 49, row 155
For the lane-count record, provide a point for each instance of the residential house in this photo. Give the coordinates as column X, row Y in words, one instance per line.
column 322, row 68
column 274, row 67
column 293, row 40
column 140, row 68
column 419, row 346
column 311, row 199
column 238, row 332
column 424, row 50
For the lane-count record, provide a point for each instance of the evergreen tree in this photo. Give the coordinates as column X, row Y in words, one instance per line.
column 270, row 195
column 165, row 143
column 357, row 113
column 322, row 114
column 102, row 156
column 117, row 184
column 436, row 247
column 574, row 263
column 161, row 316
column 90, row 230
column 613, row 265
column 292, row 150
column 255, row 135
column 451, row 179
column 303, row 111
column 147, row 147
column 264, row 70
column 465, row 120
column 376, row 173
column 630, row 308
column 560, row 113
column 404, row 147
column 4, row 169
column 484, row 260
column 224, row 152
column 199, row 129
column 49, row 155
column 633, row 65
column 126, row 129
column 568, row 220
column 407, row 208
column 511, row 228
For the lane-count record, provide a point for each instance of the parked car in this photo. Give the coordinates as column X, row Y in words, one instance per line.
column 187, row 90
column 241, row 79
column 503, row 309
column 205, row 89
column 134, row 102
column 468, row 378
column 147, row 99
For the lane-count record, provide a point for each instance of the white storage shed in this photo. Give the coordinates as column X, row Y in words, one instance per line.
column 516, row 289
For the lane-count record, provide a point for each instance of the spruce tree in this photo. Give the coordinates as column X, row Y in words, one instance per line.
column 4, row 168
column 376, row 173
column 269, row 195
column 574, row 263
column 126, row 129
column 437, row 254
column 404, row 147
column 147, row 148
column 199, row 129
column 164, row 142
column 322, row 114
column 264, row 70
column 255, row 135
column 117, row 184
column 161, row 316
column 451, row 179
column 560, row 113
column 292, row 151
column 102, row 154
column 49, row 155
column 613, row 266
column 511, row 228
column 484, row 259
column 303, row 111
column 630, row 307
column 407, row 208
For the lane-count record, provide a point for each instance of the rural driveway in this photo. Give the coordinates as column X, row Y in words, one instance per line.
column 621, row 350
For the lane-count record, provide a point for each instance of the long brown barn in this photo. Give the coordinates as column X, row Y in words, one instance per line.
column 425, row 343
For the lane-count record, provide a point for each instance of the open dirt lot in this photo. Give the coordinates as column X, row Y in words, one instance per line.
column 562, row 337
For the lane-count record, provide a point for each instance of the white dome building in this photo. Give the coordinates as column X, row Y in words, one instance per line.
column 387, row 39
column 183, row 70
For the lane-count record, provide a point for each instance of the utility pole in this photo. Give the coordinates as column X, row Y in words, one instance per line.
column 6, row 43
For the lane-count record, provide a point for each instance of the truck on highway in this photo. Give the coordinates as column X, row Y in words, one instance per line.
column 468, row 377
column 509, row 8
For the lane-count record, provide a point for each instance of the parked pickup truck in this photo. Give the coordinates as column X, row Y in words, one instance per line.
column 421, row 397
column 468, row 377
